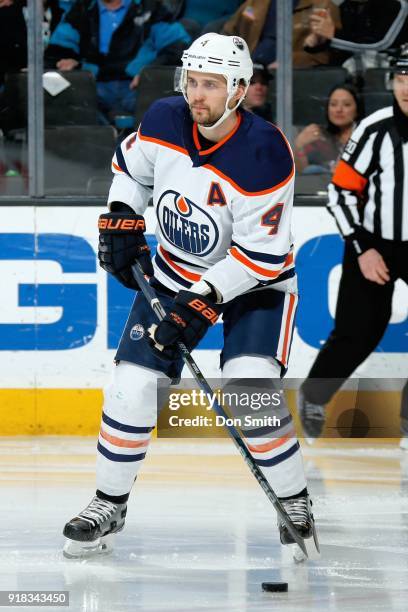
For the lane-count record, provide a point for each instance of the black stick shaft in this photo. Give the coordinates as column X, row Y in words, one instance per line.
column 155, row 304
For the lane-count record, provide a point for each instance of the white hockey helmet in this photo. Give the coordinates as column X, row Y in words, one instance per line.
column 219, row 54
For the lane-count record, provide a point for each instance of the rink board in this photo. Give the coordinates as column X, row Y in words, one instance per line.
column 61, row 317
column 78, row 412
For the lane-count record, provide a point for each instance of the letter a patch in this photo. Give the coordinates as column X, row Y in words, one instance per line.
column 216, row 195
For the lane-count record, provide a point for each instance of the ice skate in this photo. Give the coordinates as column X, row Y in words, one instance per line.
column 299, row 510
column 91, row 532
column 312, row 417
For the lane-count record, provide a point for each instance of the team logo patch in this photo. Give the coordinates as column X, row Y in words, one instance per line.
column 186, row 225
column 350, row 147
column 239, row 43
column 137, row 332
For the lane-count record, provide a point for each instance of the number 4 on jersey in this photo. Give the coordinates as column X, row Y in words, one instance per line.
column 272, row 217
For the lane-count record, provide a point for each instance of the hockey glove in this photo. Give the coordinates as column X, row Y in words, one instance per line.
column 121, row 242
column 188, row 321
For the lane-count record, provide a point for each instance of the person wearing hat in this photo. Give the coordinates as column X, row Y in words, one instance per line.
column 367, row 197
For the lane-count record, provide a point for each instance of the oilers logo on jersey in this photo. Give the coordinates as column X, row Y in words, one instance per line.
column 186, row 225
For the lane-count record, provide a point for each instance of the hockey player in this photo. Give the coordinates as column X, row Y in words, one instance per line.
column 222, row 183
column 368, row 198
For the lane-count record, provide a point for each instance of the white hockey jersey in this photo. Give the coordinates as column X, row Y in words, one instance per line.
column 224, row 213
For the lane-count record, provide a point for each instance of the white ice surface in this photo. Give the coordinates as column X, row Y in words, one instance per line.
column 201, row 535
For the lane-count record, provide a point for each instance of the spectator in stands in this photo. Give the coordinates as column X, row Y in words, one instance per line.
column 115, row 39
column 52, row 16
column 65, row 5
column 318, row 148
column 257, row 94
column 13, row 37
column 366, row 25
column 255, row 21
column 199, row 16
column 13, row 57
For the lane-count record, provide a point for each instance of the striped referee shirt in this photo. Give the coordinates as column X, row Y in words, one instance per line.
column 369, row 188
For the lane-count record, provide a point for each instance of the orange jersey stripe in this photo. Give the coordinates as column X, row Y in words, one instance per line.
column 286, row 140
column 347, row 177
column 258, row 269
column 229, row 180
column 118, row 168
column 288, row 328
column 123, row 443
column 267, row 446
column 184, row 273
column 169, row 145
column 195, row 137
column 219, row 144
column 250, row 193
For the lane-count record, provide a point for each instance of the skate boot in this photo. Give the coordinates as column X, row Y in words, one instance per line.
column 299, row 510
column 91, row 531
column 312, row 417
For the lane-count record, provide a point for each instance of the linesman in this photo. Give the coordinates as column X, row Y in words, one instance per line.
column 368, row 197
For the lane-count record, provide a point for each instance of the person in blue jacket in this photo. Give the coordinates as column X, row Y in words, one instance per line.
column 115, row 39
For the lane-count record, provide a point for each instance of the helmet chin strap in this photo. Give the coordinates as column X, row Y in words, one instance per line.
column 225, row 114
column 227, row 111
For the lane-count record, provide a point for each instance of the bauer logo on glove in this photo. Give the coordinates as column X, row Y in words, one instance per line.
column 121, row 242
column 187, row 322
column 121, row 223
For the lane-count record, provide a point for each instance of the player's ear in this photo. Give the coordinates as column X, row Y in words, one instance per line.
column 240, row 90
column 238, row 94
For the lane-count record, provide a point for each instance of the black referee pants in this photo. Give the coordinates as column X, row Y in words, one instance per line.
column 362, row 314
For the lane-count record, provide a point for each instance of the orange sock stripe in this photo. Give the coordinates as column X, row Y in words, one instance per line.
column 264, row 448
column 123, row 443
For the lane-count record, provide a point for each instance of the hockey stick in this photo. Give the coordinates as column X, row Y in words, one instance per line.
column 158, row 309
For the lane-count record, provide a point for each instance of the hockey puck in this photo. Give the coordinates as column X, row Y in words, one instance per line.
column 275, row 587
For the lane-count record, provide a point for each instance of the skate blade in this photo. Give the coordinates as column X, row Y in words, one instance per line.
column 312, row 547
column 85, row 550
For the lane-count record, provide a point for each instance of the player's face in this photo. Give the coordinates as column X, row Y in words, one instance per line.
column 342, row 108
column 206, row 94
column 401, row 91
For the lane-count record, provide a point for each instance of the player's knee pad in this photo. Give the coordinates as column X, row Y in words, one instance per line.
column 250, row 366
column 131, row 395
